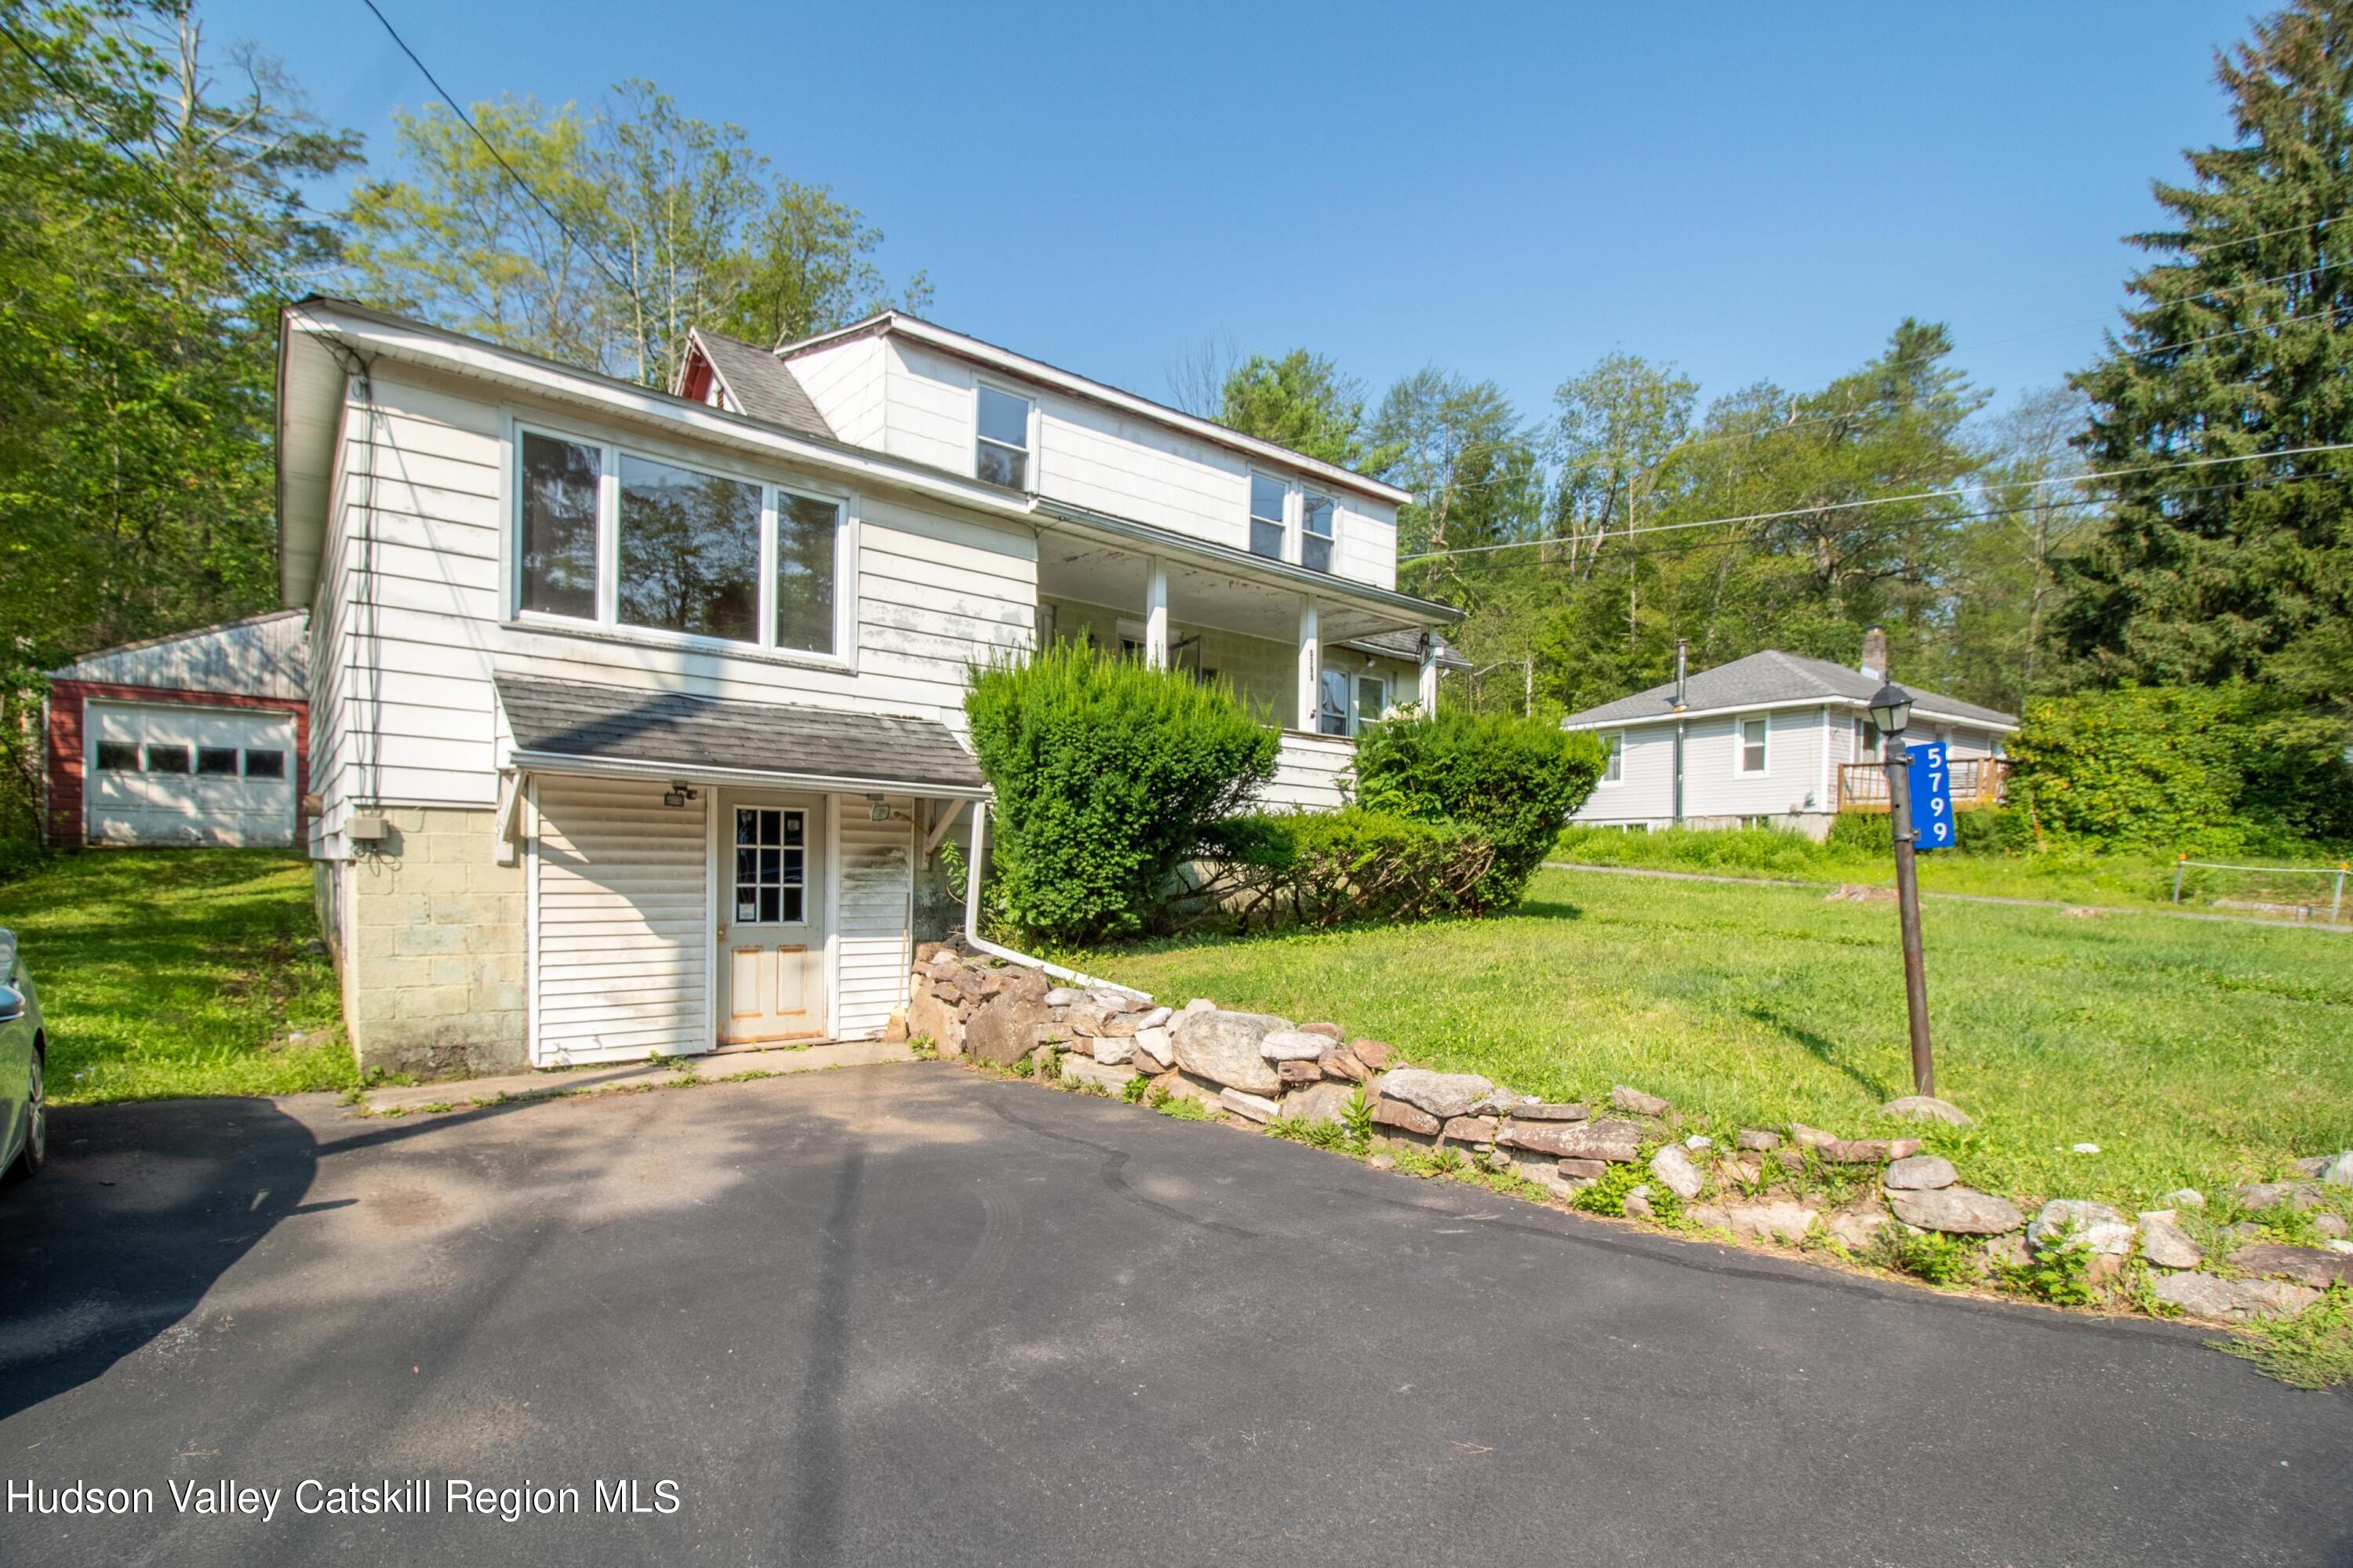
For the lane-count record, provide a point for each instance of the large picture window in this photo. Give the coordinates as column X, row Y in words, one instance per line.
column 624, row 539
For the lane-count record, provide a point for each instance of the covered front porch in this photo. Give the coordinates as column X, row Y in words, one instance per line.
column 1316, row 654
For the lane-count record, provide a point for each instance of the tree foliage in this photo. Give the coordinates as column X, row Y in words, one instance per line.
column 640, row 222
column 1301, row 401
column 1514, row 781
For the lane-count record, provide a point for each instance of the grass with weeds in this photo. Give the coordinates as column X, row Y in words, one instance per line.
column 2198, row 1054
column 185, row 971
column 2313, row 1349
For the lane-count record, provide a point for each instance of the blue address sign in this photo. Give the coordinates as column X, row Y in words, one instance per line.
column 1932, row 797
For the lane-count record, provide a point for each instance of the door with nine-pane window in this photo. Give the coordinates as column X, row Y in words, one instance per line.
column 771, row 934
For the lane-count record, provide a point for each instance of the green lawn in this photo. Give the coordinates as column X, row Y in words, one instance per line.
column 2192, row 1053
column 167, row 972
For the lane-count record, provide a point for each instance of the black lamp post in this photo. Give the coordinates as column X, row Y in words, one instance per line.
column 1891, row 710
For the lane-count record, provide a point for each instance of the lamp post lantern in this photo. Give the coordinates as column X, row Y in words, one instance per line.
column 1891, row 710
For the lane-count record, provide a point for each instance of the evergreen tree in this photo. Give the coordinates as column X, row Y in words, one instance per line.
column 2236, row 343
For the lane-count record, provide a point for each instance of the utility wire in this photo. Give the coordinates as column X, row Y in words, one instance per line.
column 1890, row 500
column 449, row 100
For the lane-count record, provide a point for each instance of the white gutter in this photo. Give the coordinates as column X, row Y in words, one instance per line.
column 981, row 943
column 1919, row 706
column 697, row 773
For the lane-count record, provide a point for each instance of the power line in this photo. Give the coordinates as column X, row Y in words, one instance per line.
column 450, row 100
column 1890, row 500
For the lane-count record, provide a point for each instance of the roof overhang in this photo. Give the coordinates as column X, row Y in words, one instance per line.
column 915, row 329
column 568, row 764
column 1922, row 707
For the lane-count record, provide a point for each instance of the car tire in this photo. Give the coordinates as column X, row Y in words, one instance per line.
column 36, row 1152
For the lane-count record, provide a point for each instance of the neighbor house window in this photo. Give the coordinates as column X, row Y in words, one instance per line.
column 625, row 539
column 167, row 760
column 690, row 549
column 1866, row 737
column 1613, row 770
column 217, row 759
column 265, row 764
column 1752, row 746
column 1266, row 516
column 118, row 757
column 1315, row 514
column 1002, row 455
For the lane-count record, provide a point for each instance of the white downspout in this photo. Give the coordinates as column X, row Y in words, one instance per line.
column 982, row 944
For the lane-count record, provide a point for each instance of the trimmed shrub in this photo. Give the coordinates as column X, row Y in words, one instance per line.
column 1327, row 867
column 1511, row 781
column 2181, row 768
column 1106, row 774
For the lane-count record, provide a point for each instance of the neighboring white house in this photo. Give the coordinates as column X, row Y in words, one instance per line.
column 636, row 718
column 1774, row 739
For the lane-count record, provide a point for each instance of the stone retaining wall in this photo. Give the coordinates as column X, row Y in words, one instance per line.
column 1797, row 1186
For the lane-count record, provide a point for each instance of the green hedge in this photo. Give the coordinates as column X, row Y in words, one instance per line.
column 1324, row 868
column 2181, row 768
column 1511, row 781
column 1106, row 773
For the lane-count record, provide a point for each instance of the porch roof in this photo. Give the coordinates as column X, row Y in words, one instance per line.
column 588, row 726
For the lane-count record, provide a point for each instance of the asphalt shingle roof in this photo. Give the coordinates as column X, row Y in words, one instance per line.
column 586, row 719
column 1406, row 645
column 763, row 386
column 1773, row 676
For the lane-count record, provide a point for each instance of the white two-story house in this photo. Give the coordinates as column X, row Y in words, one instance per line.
column 636, row 718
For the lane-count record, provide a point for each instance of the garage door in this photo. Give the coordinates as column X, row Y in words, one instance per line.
column 156, row 774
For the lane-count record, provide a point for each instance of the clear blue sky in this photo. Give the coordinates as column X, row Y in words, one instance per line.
column 1750, row 191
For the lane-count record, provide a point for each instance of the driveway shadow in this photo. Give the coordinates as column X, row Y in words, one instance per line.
column 141, row 1208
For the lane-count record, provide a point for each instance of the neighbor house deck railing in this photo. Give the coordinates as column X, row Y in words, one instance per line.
column 1976, row 781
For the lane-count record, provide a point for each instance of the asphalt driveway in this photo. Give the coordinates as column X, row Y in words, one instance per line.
column 908, row 1314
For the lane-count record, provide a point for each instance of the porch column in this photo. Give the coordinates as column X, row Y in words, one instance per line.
column 1155, row 613
column 1427, row 691
column 1311, row 665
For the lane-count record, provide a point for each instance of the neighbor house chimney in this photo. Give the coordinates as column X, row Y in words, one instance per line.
column 1874, row 654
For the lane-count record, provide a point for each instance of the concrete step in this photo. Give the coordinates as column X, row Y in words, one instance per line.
column 465, row 1094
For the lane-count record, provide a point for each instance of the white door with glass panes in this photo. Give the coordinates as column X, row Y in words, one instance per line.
column 771, row 934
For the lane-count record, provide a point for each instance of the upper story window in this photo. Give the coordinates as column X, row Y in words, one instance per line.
column 1315, row 515
column 1266, row 527
column 622, row 539
column 1001, row 453
column 1752, row 746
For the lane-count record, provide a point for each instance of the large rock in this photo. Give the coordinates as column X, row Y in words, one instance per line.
column 1003, row 1029
column 1503, row 1102
column 1853, row 1228
column 1292, row 1045
column 1319, row 1102
column 1405, row 1117
column 1673, row 1168
column 929, row 1016
column 2232, row 1300
column 2165, row 1244
column 2338, row 1171
column 1156, row 1048
column 1331, row 1032
column 1250, row 1107
column 1111, row 998
column 2095, row 1227
column 1920, row 1173
column 1470, row 1130
column 1636, row 1204
column 1374, row 1053
column 1625, row 1098
column 2270, row 1194
column 1771, row 1222
column 1615, row 1141
column 1295, row 1072
column 1956, row 1211
column 1341, row 1063
column 1442, row 1094
column 1571, row 1110
column 1837, row 1151
column 1153, row 1017
column 1928, row 1106
column 1078, row 1069
column 1758, row 1140
column 1223, row 1046
column 2315, row 1267
column 1113, row 1052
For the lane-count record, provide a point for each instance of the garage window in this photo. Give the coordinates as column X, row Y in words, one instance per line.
column 265, row 764
column 117, row 756
column 167, row 760
column 216, row 760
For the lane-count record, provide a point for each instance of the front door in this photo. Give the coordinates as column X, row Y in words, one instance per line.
column 771, row 934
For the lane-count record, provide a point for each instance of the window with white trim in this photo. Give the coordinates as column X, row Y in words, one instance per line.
column 1316, row 523
column 1752, row 734
column 1614, row 770
column 1001, row 445
column 1267, row 496
column 624, row 539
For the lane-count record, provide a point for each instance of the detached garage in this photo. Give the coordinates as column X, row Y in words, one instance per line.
column 198, row 739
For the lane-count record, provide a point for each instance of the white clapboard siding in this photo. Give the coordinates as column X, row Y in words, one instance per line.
column 1311, row 771
column 620, row 923
column 876, row 868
